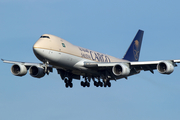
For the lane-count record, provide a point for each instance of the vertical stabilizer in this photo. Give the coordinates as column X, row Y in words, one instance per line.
column 133, row 51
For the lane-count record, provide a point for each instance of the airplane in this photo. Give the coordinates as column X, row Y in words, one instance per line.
column 72, row 62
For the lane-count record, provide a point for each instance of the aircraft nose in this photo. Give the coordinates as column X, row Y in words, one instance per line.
column 37, row 44
column 35, row 48
column 38, row 52
column 40, row 46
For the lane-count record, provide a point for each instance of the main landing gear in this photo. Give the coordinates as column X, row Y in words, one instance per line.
column 105, row 83
column 68, row 82
column 86, row 83
column 98, row 83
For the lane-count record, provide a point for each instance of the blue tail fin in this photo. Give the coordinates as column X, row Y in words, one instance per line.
column 133, row 51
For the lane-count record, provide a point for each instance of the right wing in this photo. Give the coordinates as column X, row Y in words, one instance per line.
column 23, row 63
column 37, row 70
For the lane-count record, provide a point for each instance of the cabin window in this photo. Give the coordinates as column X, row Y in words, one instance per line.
column 63, row 45
column 45, row 37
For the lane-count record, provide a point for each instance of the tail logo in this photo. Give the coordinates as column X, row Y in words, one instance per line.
column 136, row 49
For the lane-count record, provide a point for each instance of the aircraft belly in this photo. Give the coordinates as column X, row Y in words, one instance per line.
column 57, row 58
column 64, row 60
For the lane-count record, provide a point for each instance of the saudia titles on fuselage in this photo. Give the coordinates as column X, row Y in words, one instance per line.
column 95, row 56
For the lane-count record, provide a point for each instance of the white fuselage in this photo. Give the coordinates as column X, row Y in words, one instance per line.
column 62, row 54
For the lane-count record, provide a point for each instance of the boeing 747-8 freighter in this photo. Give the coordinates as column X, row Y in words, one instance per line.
column 72, row 62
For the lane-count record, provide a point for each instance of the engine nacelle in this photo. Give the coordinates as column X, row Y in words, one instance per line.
column 36, row 72
column 18, row 70
column 121, row 69
column 165, row 67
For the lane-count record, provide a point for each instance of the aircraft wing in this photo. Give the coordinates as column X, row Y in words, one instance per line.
column 16, row 62
column 25, row 63
column 151, row 65
column 146, row 65
column 22, row 63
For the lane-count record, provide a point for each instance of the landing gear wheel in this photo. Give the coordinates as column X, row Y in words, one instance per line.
column 87, row 84
column 105, row 85
column 109, row 84
column 82, row 83
column 101, row 84
column 70, row 80
column 71, row 85
column 95, row 83
column 66, row 85
column 66, row 80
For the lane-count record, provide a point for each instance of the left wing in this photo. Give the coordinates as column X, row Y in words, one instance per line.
column 129, row 68
column 162, row 66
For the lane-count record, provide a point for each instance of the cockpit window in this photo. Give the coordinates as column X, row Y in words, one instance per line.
column 45, row 37
column 63, row 45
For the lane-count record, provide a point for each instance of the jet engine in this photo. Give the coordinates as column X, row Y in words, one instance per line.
column 36, row 72
column 121, row 69
column 18, row 70
column 165, row 67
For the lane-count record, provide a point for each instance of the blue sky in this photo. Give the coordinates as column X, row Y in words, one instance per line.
column 106, row 26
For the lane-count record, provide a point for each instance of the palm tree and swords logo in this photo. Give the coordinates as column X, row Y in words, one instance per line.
column 136, row 49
